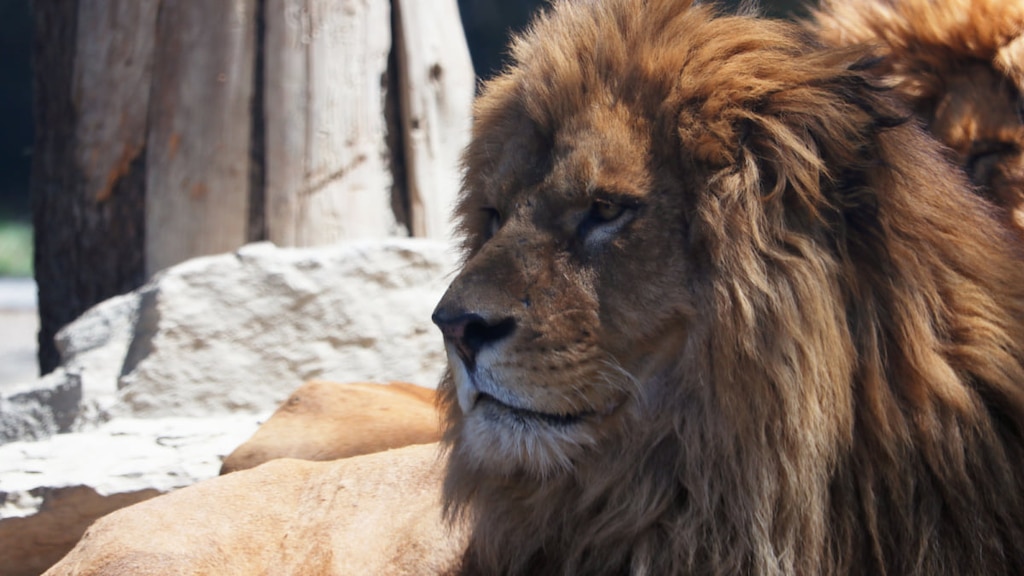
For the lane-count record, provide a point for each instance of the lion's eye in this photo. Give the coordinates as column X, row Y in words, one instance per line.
column 604, row 211
column 604, row 219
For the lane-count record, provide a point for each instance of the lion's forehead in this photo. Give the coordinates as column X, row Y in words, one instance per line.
column 600, row 150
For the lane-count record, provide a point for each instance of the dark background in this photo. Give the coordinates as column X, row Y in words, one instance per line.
column 15, row 107
column 487, row 23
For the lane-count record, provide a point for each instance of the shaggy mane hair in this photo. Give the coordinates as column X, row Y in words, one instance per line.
column 960, row 64
column 922, row 41
column 846, row 393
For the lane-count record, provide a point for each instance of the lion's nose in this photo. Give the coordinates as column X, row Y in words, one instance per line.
column 470, row 333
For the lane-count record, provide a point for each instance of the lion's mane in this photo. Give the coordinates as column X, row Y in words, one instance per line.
column 960, row 65
column 846, row 392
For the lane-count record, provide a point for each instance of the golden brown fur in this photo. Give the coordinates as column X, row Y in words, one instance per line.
column 375, row 515
column 325, row 420
column 724, row 311
column 961, row 65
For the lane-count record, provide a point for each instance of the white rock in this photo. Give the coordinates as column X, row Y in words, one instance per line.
column 37, row 410
column 94, row 345
column 123, row 455
column 239, row 332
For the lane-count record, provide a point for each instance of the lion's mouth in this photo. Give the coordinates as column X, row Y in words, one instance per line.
column 496, row 409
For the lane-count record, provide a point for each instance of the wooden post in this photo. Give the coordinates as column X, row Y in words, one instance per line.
column 92, row 61
column 326, row 172
column 113, row 57
column 197, row 162
column 436, row 83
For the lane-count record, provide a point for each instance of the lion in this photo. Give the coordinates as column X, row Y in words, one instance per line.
column 960, row 63
column 724, row 308
column 325, row 420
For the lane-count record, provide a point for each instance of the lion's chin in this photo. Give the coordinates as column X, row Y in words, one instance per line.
column 510, row 440
column 504, row 414
column 505, row 432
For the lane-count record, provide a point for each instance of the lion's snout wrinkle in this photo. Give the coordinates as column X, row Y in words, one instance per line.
column 470, row 332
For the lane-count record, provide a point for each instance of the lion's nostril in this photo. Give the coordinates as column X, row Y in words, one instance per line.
column 471, row 333
column 479, row 333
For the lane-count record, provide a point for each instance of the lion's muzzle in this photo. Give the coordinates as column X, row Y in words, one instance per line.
column 470, row 332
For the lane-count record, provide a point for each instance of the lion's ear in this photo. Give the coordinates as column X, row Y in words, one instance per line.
column 708, row 134
column 793, row 144
column 770, row 149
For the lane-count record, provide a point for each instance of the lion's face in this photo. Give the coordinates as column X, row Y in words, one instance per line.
column 545, row 344
column 607, row 212
column 614, row 193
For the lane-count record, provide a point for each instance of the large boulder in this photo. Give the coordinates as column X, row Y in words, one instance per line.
column 241, row 331
column 238, row 332
column 158, row 385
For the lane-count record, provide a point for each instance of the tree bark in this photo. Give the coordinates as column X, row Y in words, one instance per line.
column 327, row 176
column 197, row 163
column 436, row 84
column 90, row 80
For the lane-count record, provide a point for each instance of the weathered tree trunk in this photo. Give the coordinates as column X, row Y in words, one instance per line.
column 327, row 176
column 197, row 163
column 91, row 81
column 169, row 129
column 436, row 84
